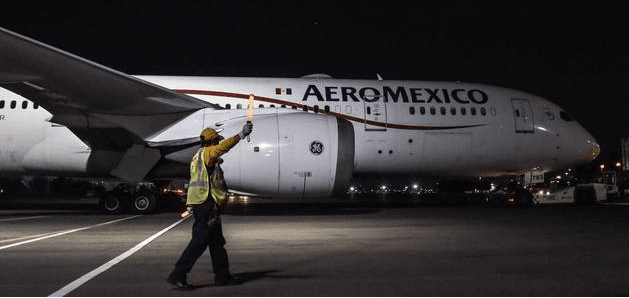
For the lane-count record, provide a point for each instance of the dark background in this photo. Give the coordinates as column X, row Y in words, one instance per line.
column 574, row 54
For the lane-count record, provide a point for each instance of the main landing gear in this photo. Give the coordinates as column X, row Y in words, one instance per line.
column 142, row 199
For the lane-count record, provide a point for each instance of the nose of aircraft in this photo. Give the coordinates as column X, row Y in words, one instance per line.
column 587, row 148
column 594, row 148
column 581, row 146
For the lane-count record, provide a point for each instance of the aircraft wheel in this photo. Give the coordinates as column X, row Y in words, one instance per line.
column 110, row 203
column 144, row 202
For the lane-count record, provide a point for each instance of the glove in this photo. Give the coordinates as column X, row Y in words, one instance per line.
column 246, row 130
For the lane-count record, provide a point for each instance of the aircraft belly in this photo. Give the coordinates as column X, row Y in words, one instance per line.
column 18, row 136
column 43, row 158
column 60, row 151
column 442, row 153
column 414, row 153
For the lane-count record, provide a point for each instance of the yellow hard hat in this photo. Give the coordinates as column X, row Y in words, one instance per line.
column 209, row 134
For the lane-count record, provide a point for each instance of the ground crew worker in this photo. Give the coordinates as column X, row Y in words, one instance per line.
column 207, row 230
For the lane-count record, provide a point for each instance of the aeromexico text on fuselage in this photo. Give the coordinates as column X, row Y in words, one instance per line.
column 396, row 94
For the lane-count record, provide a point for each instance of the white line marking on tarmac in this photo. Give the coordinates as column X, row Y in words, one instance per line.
column 66, row 232
column 85, row 278
column 25, row 237
column 23, row 218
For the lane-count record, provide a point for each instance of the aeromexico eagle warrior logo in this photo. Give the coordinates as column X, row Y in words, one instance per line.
column 316, row 147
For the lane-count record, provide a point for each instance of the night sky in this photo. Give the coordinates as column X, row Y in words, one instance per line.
column 574, row 54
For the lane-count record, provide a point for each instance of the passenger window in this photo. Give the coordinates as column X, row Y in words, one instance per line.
column 411, row 110
column 453, row 110
column 473, row 111
column 327, row 109
column 239, row 106
column 565, row 116
column 24, row 105
column 463, row 111
column 228, row 106
column 422, row 110
column 443, row 110
column 483, row 111
column 13, row 104
column 316, row 109
column 261, row 106
column 35, row 106
column 1, row 104
column 305, row 108
column 432, row 110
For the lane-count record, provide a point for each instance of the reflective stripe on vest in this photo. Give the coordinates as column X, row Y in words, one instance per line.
column 199, row 186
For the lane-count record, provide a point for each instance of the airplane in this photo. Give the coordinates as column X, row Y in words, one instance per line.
column 61, row 114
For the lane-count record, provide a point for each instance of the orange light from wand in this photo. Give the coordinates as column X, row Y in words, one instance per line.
column 250, row 108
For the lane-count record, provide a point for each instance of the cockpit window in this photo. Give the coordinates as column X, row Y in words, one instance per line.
column 565, row 116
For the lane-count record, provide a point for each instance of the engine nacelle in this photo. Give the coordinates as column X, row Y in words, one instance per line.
column 291, row 155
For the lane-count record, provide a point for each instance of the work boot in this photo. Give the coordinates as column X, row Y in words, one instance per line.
column 229, row 281
column 179, row 282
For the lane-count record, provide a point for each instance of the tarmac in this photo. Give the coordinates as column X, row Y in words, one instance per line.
column 321, row 249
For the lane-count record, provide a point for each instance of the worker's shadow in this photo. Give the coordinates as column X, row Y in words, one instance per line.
column 246, row 277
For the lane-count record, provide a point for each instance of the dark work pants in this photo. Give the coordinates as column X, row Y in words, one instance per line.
column 207, row 231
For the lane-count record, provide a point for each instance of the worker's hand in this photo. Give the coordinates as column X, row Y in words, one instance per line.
column 246, row 130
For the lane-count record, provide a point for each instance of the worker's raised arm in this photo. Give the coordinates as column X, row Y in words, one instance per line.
column 212, row 153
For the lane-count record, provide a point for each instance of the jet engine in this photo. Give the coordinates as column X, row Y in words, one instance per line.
column 296, row 155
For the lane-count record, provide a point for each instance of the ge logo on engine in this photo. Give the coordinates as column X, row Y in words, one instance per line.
column 316, row 147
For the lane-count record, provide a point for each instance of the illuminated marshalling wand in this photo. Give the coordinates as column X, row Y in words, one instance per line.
column 186, row 213
column 250, row 112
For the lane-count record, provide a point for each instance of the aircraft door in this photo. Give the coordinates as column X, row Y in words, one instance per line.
column 523, row 115
column 375, row 110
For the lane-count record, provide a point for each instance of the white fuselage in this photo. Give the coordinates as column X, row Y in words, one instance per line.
column 399, row 127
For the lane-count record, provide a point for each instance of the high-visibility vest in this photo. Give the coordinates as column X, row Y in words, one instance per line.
column 199, row 186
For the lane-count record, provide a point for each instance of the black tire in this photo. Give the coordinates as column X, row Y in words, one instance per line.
column 112, row 204
column 144, row 202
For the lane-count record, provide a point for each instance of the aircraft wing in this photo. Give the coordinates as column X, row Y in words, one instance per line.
column 108, row 109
